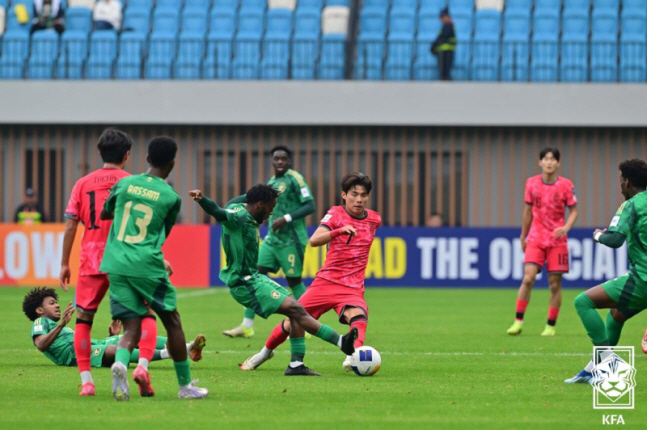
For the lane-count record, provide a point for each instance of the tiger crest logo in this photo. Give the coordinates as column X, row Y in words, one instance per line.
column 614, row 380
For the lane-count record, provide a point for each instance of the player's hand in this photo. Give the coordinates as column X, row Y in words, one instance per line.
column 522, row 240
column 114, row 328
column 278, row 224
column 196, row 195
column 67, row 314
column 168, row 267
column 64, row 276
column 598, row 230
column 348, row 229
column 560, row 232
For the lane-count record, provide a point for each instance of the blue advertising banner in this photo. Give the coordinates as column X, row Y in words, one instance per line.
column 458, row 257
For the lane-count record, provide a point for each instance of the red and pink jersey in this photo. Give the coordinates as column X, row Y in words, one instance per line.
column 346, row 261
column 549, row 202
column 88, row 195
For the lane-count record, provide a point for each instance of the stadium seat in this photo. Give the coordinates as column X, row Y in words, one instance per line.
column 548, row 6
column 103, row 52
column 515, row 53
column 194, row 21
column 463, row 26
column 131, row 55
column 12, row 24
column 137, row 20
column 633, row 42
column 425, row 65
column 371, row 43
column 310, row 4
column 333, row 55
column 191, row 45
column 606, row 6
column 545, row 55
column 78, row 19
column 410, row 5
column 334, row 20
column 231, row 5
column 489, row 4
column 279, row 22
column 581, row 6
column 402, row 22
column 73, row 55
column 461, row 6
column 381, row 5
column 400, row 49
column 575, row 46
column 604, row 47
column 4, row 4
column 88, row 4
column 165, row 20
column 247, row 57
column 305, row 54
column 307, row 22
column 2, row 19
column 372, row 21
column 44, row 50
column 486, row 47
column 253, row 4
column 276, row 44
column 428, row 24
column 343, row 3
column 141, row 4
column 217, row 64
column 15, row 47
column 282, row 4
column 169, row 4
column 203, row 5
column 251, row 23
column 162, row 48
column 634, row 6
column 435, row 5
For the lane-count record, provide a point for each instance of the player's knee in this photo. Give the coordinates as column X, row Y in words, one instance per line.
column 528, row 281
column 297, row 311
column 582, row 302
column 555, row 286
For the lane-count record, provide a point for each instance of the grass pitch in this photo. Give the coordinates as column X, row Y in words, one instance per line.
column 446, row 363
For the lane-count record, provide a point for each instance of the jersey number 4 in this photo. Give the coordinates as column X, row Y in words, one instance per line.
column 141, row 223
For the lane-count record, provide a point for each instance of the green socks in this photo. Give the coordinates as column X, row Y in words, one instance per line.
column 183, row 372
column 161, row 342
column 123, row 356
column 328, row 334
column 249, row 313
column 614, row 329
column 298, row 290
column 591, row 319
column 297, row 349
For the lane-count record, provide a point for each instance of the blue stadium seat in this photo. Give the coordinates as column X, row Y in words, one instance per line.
column 545, row 52
column 548, row 5
column 371, row 43
column 463, row 25
column 305, row 53
column 78, row 19
column 435, row 5
column 141, row 4
column 276, row 45
column 462, row 6
column 194, row 21
column 74, row 51
column 307, row 22
column 604, row 47
column 633, row 44
column 103, row 52
column 606, row 6
column 333, row 55
column 428, row 24
column 131, row 55
column 462, row 61
column 203, row 5
column 372, row 21
column 165, row 20
column 402, row 25
column 279, row 22
column 253, row 4
column 516, row 25
column 4, row 3
column 44, row 50
column 518, row 6
column 577, row 6
column 310, row 4
column 486, row 46
column 137, row 20
column 251, row 23
column 217, row 64
column 382, row 5
column 190, row 52
column 15, row 47
column 169, row 4
column 575, row 46
column 247, row 57
column 338, row 3
column 226, row 4
column 410, row 5
column 402, row 22
column 425, row 65
column 634, row 6
column 162, row 48
column 515, row 52
column 12, row 24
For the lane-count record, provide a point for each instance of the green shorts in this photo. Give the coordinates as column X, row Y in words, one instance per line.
column 287, row 257
column 99, row 349
column 629, row 292
column 129, row 296
column 260, row 293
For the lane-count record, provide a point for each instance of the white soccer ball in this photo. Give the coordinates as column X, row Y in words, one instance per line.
column 366, row 361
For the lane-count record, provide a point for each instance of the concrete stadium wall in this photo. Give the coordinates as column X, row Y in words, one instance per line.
column 322, row 103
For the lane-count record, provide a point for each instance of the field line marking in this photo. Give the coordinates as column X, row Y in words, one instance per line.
column 205, row 292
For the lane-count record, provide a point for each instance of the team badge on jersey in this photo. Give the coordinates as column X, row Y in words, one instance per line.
column 275, row 294
column 282, row 187
column 96, row 351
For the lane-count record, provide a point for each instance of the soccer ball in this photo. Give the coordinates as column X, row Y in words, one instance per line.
column 365, row 361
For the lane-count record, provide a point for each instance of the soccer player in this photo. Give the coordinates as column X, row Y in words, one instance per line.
column 285, row 243
column 626, row 295
column 348, row 230
column 240, row 239
column 84, row 206
column 56, row 341
column 144, row 208
column 543, row 236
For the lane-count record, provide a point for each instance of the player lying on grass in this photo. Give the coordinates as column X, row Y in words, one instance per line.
column 285, row 243
column 348, row 230
column 51, row 336
column 543, row 236
column 144, row 208
column 240, row 238
column 626, row 295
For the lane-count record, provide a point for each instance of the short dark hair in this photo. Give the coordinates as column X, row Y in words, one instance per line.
column 635, row 171
column 356, row 178
column 34, row 299
column 281, row 148
column 113, row 145
column 161, row 151
column 550, row 149
column 261, row 193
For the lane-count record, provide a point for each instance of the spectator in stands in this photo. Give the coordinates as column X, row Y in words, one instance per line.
column 444, row 46
column 107, row 15
column 48, row 14
column 30, row 211
column 435, row 220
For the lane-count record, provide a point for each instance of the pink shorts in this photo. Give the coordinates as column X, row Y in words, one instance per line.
column 323, row 296
column 90, row 290
column 555, row 257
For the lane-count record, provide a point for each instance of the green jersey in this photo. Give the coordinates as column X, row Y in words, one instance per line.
column 240, row 240
column 61, row 351
column 631, row 221
column 294, row 192
column 145, row 208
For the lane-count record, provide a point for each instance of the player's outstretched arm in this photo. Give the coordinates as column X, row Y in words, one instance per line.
column 323, row 235
column 611, row 239
column 303, row 211
column 43, row 342
column 209, row 206
column 68, row 240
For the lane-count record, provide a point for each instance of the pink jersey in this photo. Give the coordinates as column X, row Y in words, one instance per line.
column 548, row 205
column 346, row 262
column 88, row 195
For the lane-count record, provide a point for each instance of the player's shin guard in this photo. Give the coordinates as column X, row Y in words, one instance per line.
column 147, row 340
column 591, row 319
column 360, row 322
column 552, row 316
column 328, row 334
column 297, row 350
column 161, row 342
column 521, row 309
column 83, row 344
column 613, row 329
column 277, row 337
column 183, row 372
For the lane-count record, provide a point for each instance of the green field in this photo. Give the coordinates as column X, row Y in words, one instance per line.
column 447, row 363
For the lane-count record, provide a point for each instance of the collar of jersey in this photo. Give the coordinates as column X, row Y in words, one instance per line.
column 354, row 217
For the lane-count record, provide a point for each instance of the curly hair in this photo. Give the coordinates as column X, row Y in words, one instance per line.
column 635, row 171
column 161, row 151
column 281, row 148
column 261, row 193
column 34, row 299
